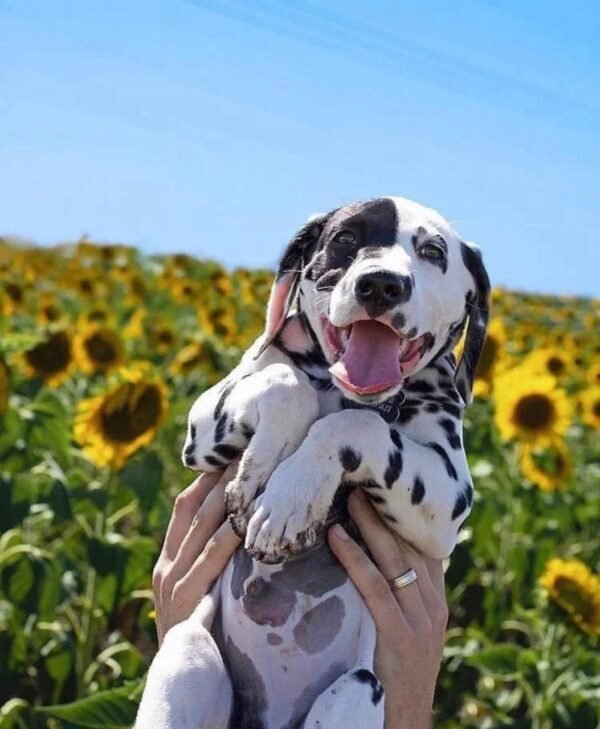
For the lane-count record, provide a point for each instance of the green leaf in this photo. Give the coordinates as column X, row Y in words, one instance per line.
column 143, row 476
column 113, row 709
column 499, row 660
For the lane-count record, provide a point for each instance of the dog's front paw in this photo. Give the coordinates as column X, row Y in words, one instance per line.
column 241, row 492
column 289, row 515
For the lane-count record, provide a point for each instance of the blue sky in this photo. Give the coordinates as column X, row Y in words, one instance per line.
column 217, row 126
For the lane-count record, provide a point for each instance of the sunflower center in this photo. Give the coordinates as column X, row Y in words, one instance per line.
column 165, row 337
column 86, row 286
column 134, row 417
column 99, row 349
column 51, row 356
column 573, row 596
column 556, row 365
column 51, row 312
column 15, row 292
column 534, row 412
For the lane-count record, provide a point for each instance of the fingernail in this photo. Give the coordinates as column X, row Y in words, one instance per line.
column 341, row 533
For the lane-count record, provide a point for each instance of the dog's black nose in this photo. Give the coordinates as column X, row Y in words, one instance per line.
column 382, row 289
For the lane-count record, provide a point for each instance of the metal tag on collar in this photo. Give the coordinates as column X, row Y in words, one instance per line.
column 388, row 409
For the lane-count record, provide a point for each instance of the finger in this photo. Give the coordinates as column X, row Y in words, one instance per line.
column 205, row 523
column 186, row 505
column 435, row 567
column 388, row 555
column 369, row 581
column 198, row 580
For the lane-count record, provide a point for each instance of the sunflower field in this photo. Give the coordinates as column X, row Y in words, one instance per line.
column 102, row 351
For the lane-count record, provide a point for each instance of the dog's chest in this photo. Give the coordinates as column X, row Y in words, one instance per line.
column 287, row 632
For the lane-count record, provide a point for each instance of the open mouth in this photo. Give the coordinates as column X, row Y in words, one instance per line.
column 370, row 357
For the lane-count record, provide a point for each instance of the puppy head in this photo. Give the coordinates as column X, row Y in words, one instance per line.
column 387, row 286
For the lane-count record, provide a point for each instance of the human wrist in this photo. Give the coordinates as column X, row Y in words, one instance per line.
column 399, row 717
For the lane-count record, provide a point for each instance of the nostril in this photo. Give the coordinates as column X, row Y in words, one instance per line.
column 364, row 287
column 392, row 292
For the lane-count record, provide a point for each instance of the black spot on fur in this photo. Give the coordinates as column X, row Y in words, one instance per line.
column 396, row 438
column 451, row 409
column 418, row 491
column 450, row 428
column 412, row 333
column 420, row 386
column 469, row 493
column 227, row 451
column 459, row 506
column 221, row 401
column 398, row 320
column 365, row 676
column 349, row 459
column 221, row 428
column 407, row 414
column 432, row 407
column 376, row 499
column 242, row 569
column 394, row 468
column 447, row 462
column 215, row 462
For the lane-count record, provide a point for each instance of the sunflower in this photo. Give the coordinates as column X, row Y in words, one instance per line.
column 197, row 356
column 134, row 328
column 184, row 290
column 530, row 406
column 547, row 467
column 51, row 359
column 98, row 349
column 590, row 407
column 97, row 314
column 112, row 426
column 220, row 283
column 576, row 590
column 48, row 310
column 550, row 361
column 161, row 337
column 219, row 322
column 14, row 296
column 593, row 374
column 3, row 387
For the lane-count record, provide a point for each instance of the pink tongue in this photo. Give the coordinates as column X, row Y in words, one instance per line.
column 371, row 361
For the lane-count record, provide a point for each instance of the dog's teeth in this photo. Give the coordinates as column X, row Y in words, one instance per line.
column 344, row 337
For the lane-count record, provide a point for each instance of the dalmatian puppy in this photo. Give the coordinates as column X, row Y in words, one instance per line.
column 352, row 384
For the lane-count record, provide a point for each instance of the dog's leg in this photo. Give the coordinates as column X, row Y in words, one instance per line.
column 421, row 490
column 267, row 412
column 188, row 686
column 356, row 698
column 279, row 405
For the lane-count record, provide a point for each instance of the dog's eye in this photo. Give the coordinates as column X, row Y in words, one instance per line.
column 345, row 236
column 432, row 251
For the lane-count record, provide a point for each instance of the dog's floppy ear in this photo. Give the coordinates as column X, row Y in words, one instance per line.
column 285, row 287
column 478, row 304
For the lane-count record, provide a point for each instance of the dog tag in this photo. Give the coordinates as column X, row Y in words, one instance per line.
column 388, row 409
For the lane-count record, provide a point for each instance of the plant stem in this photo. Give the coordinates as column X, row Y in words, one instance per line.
column 89, row 623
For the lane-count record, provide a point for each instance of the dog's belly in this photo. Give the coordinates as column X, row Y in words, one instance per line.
column 287, row 632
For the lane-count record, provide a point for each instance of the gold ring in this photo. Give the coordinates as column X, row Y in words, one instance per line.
column 404, row 579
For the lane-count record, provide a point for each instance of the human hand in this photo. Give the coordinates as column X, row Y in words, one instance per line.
column 197, row 548
column 410, row 621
